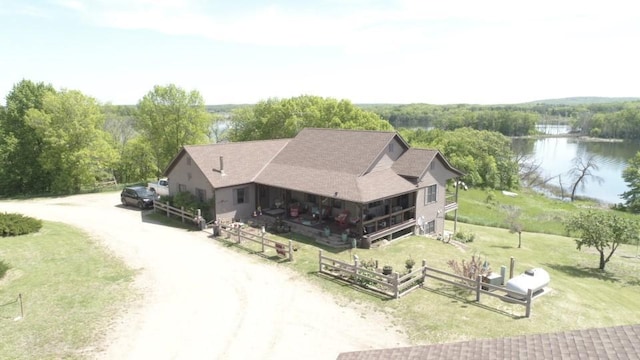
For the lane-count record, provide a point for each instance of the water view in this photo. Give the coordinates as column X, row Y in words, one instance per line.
column 556, row 158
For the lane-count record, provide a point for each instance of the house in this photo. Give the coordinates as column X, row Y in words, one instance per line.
column 369, row 183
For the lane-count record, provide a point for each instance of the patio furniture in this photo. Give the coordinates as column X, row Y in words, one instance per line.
column 343, row 218
column 294, row 211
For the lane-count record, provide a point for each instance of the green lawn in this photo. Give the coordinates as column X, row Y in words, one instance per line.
column 71, row 289
column 580, row 296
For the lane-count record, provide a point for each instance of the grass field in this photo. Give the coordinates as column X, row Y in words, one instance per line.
column 70, row 287
column 580, row 295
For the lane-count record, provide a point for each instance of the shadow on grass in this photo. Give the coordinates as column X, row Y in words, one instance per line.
column 582, row 272
column 453, row 294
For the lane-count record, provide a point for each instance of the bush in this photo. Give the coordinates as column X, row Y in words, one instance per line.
column 465, row 237
column 18, row 224
column 3, row 268
column 190, row 203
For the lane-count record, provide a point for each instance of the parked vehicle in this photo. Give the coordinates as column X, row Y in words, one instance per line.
column 138, row 196
column 161, row 187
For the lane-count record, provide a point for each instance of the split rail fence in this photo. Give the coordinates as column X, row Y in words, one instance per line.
column 396, row 286
column 179, row 212
column 237, row 233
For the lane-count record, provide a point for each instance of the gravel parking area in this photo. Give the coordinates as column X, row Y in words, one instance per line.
column 203, row 301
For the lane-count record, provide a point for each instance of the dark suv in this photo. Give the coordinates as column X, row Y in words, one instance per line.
column 138, row 196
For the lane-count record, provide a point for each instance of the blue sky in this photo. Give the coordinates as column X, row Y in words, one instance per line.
column 404, row 51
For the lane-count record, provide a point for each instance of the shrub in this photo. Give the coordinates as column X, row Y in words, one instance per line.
column 190, row 203
column 18, row 224
column 465, row 237
column 471, row 269
column 3, row 268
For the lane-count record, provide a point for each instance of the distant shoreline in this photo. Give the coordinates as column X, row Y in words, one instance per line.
column 568, row 135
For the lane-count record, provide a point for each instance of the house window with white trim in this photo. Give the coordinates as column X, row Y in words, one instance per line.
column 182, row 187
column 431, row 194
column 240, row 196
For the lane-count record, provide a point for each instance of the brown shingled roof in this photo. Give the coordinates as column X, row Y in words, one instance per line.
column 242, row 160
column 345, row 151
column 620, row 342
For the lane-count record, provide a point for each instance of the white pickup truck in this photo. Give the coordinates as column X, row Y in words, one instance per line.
column 161, row 187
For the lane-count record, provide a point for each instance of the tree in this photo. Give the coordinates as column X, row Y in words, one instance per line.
column 631, row 176
column 484, row 156
column 603, row 231
column 276, row 119
column 582, row 171
column 169, row 118
column 20, row 170
column 514, row 222
column 75, row 150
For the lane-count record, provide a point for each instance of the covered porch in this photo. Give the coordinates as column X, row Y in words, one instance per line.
column 333, row 221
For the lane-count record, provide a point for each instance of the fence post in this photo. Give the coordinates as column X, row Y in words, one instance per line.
column 396, row 283
column 182, row 213
column 167, row 209
column 511, row 266
column 262, row 240
column 478, row 286
column 529, row 301
column 320, row 261
column 424, row 272
column 356, row 264
column 238, row 229
column 290, row 251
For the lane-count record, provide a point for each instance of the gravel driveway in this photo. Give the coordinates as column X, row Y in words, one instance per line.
column 203, row 301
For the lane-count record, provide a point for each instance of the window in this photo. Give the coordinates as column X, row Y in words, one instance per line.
column 375, row 204
column 241, row 196
column 430, row 227
column 201, row 195
column 182, row 187
column 431, row 194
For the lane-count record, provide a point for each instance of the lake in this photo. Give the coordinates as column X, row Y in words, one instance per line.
column 556, row 158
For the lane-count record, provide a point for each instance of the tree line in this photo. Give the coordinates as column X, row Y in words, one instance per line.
column 61, row 141
column 607, row 120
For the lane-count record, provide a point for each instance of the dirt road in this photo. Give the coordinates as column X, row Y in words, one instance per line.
column 203, row 301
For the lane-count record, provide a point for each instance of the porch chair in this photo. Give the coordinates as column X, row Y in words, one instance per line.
column 343, row 218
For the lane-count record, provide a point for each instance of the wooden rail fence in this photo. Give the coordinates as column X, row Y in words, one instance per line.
column 179, row 212
column 237, row 233
column 392, row 285
column 396, row 286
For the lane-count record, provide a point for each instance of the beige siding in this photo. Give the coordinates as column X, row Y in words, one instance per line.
column 436, row 174
column 189, row 176
column 391, row 154
column 228, row 208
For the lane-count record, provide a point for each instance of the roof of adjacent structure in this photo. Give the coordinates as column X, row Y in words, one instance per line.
column 327, row 162
column 620, row 342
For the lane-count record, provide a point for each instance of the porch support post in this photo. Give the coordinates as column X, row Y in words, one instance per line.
column 455, row 212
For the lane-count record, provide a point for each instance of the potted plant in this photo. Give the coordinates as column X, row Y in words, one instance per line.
column 387, row 270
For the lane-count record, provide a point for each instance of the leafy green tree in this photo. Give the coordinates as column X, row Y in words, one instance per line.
column 631, row 176
column 75, row 150
column 168, row 118
column 275, row 119
column 603, row 231
column 484, row 156
column 20, row 146
column 137, row 161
